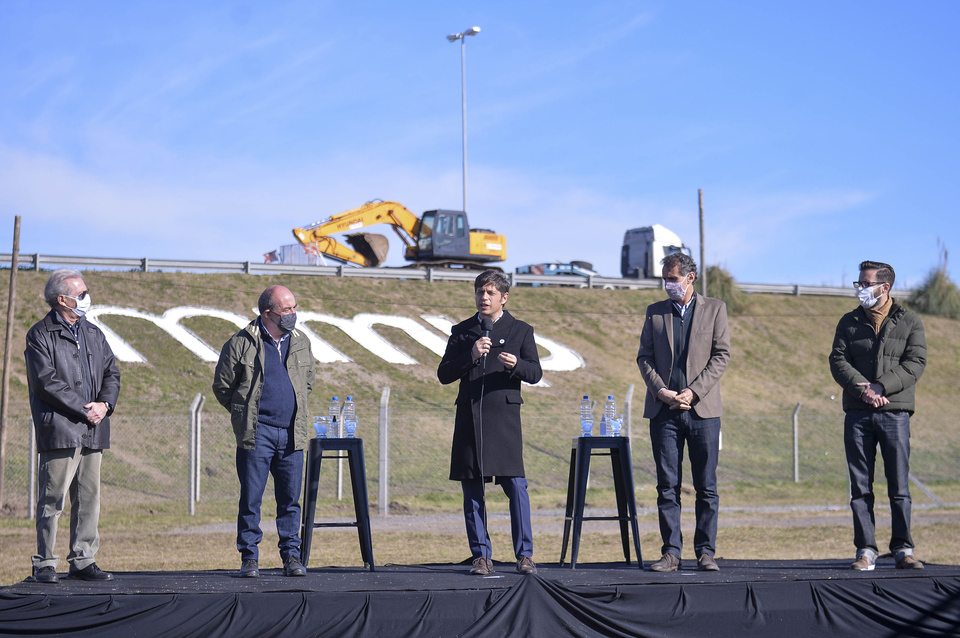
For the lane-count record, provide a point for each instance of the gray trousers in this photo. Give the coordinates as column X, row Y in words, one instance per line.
column 76, row 470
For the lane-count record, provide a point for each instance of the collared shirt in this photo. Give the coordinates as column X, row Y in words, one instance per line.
column 269, row 338
column 683, row 309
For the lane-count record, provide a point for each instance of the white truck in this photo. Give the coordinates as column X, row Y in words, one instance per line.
column 644, row 247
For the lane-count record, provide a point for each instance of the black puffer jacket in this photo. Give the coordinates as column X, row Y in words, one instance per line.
column 894, row 358
column 56, row 384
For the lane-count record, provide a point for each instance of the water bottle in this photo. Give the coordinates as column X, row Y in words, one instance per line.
column 609, row 415
column 586, row 417
column 349, row 418
column 334, row 421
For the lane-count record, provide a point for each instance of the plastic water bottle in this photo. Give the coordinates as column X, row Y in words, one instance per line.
column 586, row 417
column 334, row 420
column 609, row 415
column 349, row 418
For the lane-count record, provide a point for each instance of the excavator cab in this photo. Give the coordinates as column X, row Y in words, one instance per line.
column 444, row 234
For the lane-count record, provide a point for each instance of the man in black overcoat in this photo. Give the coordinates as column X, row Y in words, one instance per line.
column 487, row 438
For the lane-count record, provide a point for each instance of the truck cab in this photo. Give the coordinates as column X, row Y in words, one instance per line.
column 644, row 248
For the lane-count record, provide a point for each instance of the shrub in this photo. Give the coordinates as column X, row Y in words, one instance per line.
column 937, row 295
column 721, row 285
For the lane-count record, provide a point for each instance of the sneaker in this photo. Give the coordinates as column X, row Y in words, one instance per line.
column 864, row 563
column 293, row 567
column 526, row 565
column 908, row 561
column 90, row 572
column 249, row 568
column 46, row 574
column 482, row 566
column 706, row 563
column 667, row 563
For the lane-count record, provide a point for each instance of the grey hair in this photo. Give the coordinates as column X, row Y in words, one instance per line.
column 56, row 284
column 684, row 262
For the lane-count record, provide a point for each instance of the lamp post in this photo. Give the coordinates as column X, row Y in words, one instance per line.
column 453, row 37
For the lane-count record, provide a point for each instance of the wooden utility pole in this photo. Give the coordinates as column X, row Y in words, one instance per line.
column 11, row 306
column 703, row 250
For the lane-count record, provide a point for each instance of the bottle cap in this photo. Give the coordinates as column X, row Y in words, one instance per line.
column 335, row 399
column 584, row 396
column 349, row 398
column 609, row 396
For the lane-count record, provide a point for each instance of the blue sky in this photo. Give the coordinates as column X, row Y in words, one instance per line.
column 822, row 133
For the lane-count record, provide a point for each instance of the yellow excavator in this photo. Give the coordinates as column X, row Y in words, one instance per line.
column 437, row 238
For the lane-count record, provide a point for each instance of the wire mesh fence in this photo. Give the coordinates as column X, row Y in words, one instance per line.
column 148, row 461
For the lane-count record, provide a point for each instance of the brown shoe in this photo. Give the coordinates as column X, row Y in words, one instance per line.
column 909, row 562
column 526, row 565
column 482, row 566
column 706, row 563
column 667, row 563
column 864, row 563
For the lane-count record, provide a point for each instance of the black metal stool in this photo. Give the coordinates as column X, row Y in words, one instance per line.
column 618, row 449
column 358, row 481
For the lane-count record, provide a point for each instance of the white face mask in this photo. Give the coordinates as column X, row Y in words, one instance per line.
column 865, row 295
column 83, row 305
column 675, row 290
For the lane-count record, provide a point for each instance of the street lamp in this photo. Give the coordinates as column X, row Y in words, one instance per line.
column 453, row 37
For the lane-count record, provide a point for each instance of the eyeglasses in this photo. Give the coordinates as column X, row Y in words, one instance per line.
column 80, row 297
column 866, row 284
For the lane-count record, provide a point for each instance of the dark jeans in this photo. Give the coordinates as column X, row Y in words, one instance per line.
column 863, row 430
column 670, row 430
column 274, row 454
column 473, row 514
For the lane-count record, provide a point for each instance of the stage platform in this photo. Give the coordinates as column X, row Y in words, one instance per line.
column 746, row 598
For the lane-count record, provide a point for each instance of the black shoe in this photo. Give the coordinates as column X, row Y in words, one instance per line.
column 90, row 572
column 249, row 568
column 293, row 567
column 46, row 575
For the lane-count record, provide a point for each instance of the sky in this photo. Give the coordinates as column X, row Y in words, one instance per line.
column 821, row 133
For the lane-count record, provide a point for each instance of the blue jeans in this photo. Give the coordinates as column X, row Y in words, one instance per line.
column 274, row 454
column 473, row 515
column 670, row 430
column 863, row 430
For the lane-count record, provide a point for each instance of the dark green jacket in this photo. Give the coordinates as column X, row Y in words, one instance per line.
column 894, row 358
column 238, row 380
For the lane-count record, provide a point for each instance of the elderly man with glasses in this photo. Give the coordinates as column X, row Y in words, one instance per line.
column 74, row 384
column 879, row 353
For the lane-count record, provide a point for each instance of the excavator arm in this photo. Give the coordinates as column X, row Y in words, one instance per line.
column 366, row 249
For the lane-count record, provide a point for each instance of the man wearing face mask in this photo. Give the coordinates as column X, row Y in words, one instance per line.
column 263, row 378
column 879, row 353
column 74, row 385
column 684, row 349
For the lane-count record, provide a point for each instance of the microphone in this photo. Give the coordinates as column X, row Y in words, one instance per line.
column 486, row 325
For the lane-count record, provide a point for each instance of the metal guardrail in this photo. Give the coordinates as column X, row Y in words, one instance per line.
column 146, row 264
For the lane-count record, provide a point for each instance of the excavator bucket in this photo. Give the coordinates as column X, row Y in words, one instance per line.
column 373, row 247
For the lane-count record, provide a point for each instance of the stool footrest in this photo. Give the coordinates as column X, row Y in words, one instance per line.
column 350, row 524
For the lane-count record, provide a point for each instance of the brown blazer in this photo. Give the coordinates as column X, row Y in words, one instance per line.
column 707, row 357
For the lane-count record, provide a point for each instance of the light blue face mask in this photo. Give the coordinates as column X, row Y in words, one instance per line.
column 83, row 304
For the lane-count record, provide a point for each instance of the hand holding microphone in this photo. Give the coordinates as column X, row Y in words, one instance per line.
column 482, row 345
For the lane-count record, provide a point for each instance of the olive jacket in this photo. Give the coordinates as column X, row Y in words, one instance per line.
column 238, row 380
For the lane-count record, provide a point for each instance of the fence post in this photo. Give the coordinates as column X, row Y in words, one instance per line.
column 796, row 445
column 383, row 488
column 627, row 410
column 195, row 428
column 32, row 470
